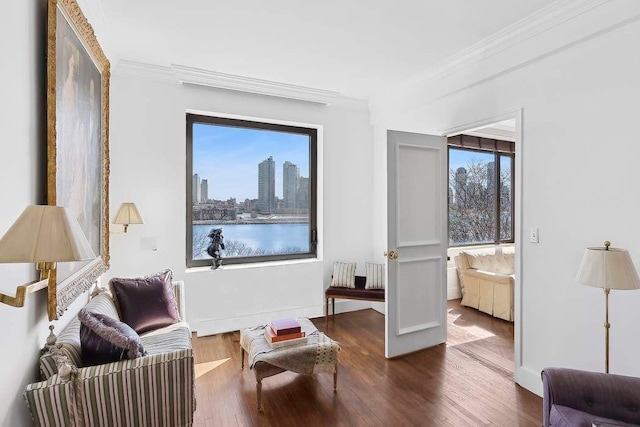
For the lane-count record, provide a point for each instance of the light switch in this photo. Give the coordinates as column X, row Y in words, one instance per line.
column 148, row 244
column 533, row 235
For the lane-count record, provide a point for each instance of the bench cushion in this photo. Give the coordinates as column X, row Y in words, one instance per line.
column 369, row 294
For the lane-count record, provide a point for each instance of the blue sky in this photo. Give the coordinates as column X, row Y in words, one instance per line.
column 460, row 158
column 228, row 158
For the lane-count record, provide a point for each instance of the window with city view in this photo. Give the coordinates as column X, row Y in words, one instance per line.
column 480, row 191
column 255, row 181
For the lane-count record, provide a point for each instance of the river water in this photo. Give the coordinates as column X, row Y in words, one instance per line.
column 260, row 238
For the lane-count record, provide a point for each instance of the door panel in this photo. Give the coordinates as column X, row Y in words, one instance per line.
column 417, row 221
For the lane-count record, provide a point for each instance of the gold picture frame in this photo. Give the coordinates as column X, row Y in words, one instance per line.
column 78, row 75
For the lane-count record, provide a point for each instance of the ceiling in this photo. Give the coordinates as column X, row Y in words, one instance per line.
column 356, row 48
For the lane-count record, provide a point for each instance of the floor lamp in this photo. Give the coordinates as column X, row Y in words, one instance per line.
column 608, row 268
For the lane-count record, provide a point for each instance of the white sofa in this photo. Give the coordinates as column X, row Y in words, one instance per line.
column 487, row 280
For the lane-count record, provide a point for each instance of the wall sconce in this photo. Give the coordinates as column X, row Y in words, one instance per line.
column 44, row 235
column 128, row 214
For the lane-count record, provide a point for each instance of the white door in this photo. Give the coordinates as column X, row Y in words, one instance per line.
column 417, row 242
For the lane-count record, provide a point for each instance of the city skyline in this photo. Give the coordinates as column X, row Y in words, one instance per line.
column 228, row 157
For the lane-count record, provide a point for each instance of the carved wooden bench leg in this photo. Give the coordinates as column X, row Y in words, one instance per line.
column 241, row 358
column 335, row 379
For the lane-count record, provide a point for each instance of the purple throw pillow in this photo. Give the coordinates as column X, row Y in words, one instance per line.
column 146, row 303
column 104, row 339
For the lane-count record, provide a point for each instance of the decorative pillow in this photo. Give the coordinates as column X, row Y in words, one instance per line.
column 104, row 339
column 146, row 303
column 344, row 274
column 375, row 276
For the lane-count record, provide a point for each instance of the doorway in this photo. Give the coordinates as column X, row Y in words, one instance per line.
column 416, row 293
column 484, row 229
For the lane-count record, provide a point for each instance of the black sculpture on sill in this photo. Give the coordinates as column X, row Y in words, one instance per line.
column 215, row 247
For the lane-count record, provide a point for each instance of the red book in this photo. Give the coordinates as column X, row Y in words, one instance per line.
column 285, row 326
column 272, row 337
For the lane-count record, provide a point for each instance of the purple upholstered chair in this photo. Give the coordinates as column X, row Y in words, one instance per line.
column 582, row 398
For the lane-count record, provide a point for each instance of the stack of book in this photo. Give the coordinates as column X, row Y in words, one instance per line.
column 283, row 332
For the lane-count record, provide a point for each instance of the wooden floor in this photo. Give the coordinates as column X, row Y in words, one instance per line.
column 467, row 382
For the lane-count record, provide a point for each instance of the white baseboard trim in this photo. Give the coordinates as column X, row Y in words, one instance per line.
column 529, row 379
column 344, row 306
column 217, row 326
column 454, row 293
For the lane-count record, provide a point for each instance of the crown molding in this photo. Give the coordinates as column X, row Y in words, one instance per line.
column 141, row 70
column 197, row 76
column 543, row 20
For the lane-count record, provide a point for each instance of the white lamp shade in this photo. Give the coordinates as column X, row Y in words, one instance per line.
column 608, row 269
column 45, row 234
column 128, row 214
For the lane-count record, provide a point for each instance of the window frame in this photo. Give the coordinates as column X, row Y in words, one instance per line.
column 311, row 132
column 498, row 148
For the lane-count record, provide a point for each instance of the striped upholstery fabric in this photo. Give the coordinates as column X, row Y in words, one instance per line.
column 344, row 274
column 47, row 366
column 375, row 276
column 155, row 390
column 52, row 402
column 173, row 338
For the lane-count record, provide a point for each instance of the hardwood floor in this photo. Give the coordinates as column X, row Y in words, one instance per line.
column 462, row 383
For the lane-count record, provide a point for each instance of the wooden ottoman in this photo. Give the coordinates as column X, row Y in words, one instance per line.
column 318, row 354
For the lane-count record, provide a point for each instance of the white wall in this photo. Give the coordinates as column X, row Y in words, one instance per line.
column 148, row 168
column 22, row 177
column 580, row 170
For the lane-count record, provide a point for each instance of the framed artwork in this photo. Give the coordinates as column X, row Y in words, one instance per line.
column 77, row 143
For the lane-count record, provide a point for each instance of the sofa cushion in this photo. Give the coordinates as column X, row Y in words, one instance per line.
column 171, row 338
column 369, row 294
column 69, row 338
column 563, row 416
column 104, row 339
column 344, row 274
column 146, row 303
column 504, row 263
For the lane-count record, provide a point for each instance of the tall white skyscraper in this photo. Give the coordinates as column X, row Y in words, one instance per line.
column 267, row 186
column 290, row 176
column 196, row 188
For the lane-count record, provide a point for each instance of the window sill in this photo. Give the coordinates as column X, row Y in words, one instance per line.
column 253, row 265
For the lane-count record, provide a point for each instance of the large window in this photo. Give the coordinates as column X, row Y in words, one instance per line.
column 481, row 175
column 255, row 181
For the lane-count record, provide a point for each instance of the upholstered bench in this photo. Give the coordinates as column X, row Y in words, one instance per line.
column 318, row 354
column 357, row 293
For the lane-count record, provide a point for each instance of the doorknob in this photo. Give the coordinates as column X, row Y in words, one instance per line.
column 391, row 254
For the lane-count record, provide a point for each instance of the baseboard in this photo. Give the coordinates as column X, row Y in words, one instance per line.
column 217, row 326
column 344, row 306
column 453, row 288
column 454, row 293
column 529, row 379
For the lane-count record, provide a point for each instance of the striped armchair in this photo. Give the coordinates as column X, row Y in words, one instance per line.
column 154, row 390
